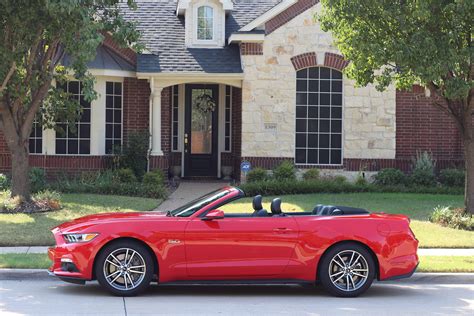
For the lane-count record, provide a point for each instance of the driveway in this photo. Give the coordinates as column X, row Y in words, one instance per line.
column 419, row 296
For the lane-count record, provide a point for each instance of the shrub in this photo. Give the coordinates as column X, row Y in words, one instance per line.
column 48, row 199
column 360, row 180
column 423, row 170
column 311, row 174
column 454, row 218
column 37, row 179
column 339, row 179
column 257, row 174
column 4, row 182
column 390, row 176
column 285, row 171
column 124, row 175
column 154, row 178
column 133, row 154
column 452, row 177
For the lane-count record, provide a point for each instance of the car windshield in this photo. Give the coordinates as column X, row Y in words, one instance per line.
column 195, row 205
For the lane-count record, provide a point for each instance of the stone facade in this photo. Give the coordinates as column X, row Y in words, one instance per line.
column 269, row 97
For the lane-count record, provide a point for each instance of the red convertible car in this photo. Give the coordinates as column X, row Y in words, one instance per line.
column 342, row 248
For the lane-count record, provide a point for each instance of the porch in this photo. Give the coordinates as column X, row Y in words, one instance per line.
column 195, row 126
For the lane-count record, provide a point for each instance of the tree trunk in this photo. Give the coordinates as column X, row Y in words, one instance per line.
column 20, row 170
column 469, row 163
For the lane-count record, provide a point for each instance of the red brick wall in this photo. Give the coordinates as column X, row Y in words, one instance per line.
column 136, row 106
column 423, row 127
column 289, row 14
column 251, row 49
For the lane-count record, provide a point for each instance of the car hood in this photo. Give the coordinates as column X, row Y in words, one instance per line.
column 95, row 219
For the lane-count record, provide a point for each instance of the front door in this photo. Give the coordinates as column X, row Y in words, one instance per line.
column 200, row 132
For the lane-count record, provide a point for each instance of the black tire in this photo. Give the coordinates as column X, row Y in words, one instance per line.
column 357, row 284
column 141, row 257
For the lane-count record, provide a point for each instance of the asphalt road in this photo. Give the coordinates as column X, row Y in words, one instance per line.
column 421, row 296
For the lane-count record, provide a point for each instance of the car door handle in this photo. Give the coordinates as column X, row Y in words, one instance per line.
column 282, row 230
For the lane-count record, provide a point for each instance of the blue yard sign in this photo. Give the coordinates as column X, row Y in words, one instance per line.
column 245, row 167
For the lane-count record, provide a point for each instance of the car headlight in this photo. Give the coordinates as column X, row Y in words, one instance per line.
column 78, row 238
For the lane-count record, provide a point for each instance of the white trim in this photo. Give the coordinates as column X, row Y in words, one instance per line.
column 247, row 38
column 183, row 5
column 189, row 74
column 282, row 6
column 111, row 73
column 170, row 79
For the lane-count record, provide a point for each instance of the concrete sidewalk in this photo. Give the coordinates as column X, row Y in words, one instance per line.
column 421, row 252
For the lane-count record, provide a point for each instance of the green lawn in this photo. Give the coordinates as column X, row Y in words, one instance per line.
column 446, row 264
column 34, row 230
column 417, row 206
column 427, row 263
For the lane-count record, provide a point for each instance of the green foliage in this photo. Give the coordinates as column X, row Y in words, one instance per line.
column 37, row 179
column 452, row 177
column 285, row 171
column 339, row 179
column 333, row 185
column 455, row 218
column 423, row 170
column 4, row 182
column 47, row 200
column 311, row 174
column 124, row 175
column 154, row 178
column 257, row 174
column 390, row 176
column 427, row 42
column 107, row 182
column 360, row 180
column 134, row 153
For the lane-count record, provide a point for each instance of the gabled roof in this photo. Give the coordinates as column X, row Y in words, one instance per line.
column 163, row 34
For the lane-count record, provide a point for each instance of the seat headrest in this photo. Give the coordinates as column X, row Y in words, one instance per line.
column 262, row 213
column 257, row 203
column 317, row 209
column 326, row 210
column 276, row 206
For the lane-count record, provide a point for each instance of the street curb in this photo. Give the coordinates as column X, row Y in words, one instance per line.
column 420, row 277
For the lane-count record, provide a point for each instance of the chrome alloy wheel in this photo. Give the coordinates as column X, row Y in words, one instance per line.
column 348, row 270
column 124, row 269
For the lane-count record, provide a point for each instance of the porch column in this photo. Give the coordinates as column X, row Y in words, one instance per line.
column 155, row 120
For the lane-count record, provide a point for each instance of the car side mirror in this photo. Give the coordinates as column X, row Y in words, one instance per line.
column 214, row 214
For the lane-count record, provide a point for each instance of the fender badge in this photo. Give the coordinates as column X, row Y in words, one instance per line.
column 174, row 241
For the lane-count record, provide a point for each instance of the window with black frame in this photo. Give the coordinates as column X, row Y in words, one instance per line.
column 318, row 116
column 113, row 115
column 75, row 140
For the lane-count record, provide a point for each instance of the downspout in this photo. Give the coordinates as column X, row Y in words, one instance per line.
column 150, row 123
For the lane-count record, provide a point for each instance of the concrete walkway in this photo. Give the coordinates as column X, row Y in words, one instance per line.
column 188, row 191
column 468, row 252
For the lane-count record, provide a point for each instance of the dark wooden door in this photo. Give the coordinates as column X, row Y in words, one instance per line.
column 200, row 131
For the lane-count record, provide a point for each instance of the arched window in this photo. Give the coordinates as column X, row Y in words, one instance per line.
column 318, row 116
column 205, row 22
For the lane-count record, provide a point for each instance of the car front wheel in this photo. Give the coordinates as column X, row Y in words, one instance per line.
column 347, row 270
column 124, row 268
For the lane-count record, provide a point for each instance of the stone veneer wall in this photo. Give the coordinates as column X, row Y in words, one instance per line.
column 269, row 98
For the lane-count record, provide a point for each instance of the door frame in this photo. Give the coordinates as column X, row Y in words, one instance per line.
column 187, row 129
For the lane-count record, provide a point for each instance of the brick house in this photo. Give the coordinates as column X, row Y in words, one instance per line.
column 221, row 82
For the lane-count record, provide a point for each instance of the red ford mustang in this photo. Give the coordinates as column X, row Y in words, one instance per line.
column 343, row 248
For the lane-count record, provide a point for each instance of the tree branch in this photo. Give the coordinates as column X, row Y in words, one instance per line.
column 7, row 78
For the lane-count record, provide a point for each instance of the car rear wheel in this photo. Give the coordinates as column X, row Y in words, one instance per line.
column 347, row 270
column 124, row 268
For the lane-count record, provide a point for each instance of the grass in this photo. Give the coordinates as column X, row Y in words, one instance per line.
column 417, row 206
column 427, row 263
column 24, row 261
column 34, row 229
column 446, row 264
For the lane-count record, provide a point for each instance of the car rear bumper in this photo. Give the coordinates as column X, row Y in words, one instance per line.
column 402, row 276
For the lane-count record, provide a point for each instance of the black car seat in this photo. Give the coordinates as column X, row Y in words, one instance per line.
column 317, row 209
column 257, row 206
column 326, row 210
column 276, row 207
